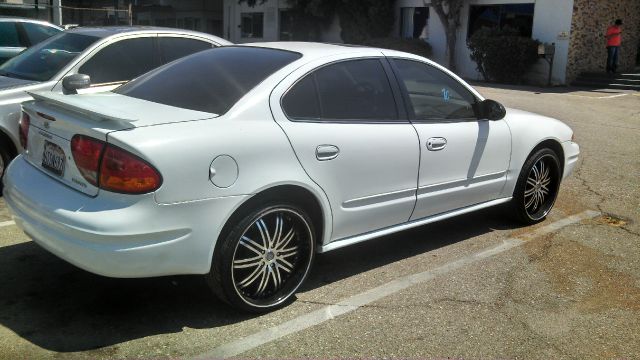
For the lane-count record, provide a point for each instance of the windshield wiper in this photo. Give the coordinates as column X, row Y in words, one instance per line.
column 12, row 75
column 8, row 74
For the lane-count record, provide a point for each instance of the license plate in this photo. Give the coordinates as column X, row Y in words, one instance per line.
column 53, row 158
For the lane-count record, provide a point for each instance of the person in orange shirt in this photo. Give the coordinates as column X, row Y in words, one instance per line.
column 614, row 39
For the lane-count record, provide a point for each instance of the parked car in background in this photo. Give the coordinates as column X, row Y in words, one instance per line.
column 242, row 162
column 17, row 34
column 110, row 56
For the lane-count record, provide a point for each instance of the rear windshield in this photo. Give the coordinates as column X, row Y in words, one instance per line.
column 211, row 81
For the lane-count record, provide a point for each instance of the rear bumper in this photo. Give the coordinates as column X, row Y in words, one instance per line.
column 115, row 235
column 571, row 153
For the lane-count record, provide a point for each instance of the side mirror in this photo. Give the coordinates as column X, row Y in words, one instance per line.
column 72, row 83
column 492, row 110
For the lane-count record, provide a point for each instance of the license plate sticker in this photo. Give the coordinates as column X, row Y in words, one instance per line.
column 53, row 158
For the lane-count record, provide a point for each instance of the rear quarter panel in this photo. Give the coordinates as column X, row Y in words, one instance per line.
column 183, row 153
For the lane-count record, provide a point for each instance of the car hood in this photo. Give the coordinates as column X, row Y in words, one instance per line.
column 129, row 112
column 11, row 83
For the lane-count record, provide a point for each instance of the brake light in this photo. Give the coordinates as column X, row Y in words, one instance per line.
column 86, row 153
column 124, row 172
column 112, row 168
column 25, row 122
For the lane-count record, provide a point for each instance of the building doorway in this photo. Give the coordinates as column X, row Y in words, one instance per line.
column 413, row 22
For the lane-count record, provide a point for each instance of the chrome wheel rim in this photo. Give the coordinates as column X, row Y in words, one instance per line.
column 541, row 188
column 272, row 257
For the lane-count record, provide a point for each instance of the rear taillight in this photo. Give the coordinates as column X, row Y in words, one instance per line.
column 112, row 168
column 86, row 153
column 124, row 172
column 25, row 122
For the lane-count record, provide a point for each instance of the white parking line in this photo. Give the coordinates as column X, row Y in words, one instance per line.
column 596, row 97
column 7, row 223
column 354, row 302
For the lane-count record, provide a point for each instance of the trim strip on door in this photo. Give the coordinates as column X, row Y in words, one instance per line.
column 451, row 184
column 337, row 244
column 379, row 198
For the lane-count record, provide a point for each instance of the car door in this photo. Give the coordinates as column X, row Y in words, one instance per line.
column 119, row 62
column 352, row 139
column 463, row 159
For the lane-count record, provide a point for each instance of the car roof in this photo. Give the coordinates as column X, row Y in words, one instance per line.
column 108, row 31
column 35, row 21
column 312, row 49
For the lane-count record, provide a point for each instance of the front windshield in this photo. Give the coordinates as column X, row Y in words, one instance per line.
column 44, row 60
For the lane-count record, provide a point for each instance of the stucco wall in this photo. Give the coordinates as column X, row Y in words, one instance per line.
column 587, row 50
column 550, row 19
column 271, row 30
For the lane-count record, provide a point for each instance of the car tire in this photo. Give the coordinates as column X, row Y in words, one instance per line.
column 537, row 187
column 264, row 258
column 5, row 158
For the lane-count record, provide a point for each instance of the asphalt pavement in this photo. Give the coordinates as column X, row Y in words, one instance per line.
column 477, row 286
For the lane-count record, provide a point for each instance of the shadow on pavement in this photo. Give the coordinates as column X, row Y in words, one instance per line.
column 61, row 308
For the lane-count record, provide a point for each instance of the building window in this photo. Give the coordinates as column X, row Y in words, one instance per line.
column 518, row 17
column 413, row 22
column 252, row 24
column 286, row 25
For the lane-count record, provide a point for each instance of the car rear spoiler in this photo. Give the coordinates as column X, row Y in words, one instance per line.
column 83, row 105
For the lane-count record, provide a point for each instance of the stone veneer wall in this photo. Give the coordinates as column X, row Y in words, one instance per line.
column 587, row 47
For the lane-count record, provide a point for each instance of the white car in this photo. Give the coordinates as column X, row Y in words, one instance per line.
column 242, row 162
column 103, row 57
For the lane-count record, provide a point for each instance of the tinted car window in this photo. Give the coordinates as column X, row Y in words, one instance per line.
column 37, row 33
column 433, row 94
column 301, row 102
column 211, row 80
column 121, row 61
column 9, row 34
column 355, row 90
column 172, row 48
column 44, row 60
column 348, row 90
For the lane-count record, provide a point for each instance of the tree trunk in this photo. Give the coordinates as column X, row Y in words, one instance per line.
column 451, row 46
column 451, row 21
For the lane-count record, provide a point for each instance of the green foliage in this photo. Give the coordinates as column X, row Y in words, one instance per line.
column 414, row 46
column 311, row 17
column 502, row 55
column 365, row 19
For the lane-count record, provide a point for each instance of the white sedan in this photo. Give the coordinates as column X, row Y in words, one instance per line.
column 242, row 162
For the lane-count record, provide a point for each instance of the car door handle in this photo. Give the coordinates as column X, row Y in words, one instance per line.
column 327, row 152
column 436, row 143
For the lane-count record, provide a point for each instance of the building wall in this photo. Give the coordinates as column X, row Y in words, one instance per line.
column 271, row 30
column 232, row 19
column 551, row 21
column 587, row 52
column 205, row 16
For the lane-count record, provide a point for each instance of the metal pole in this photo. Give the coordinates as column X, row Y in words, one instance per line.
column 553, row 55
column 115, row 6
column 57, row 12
